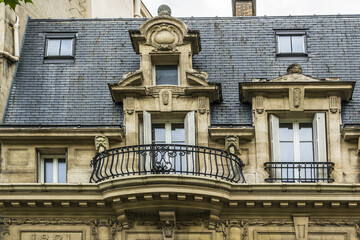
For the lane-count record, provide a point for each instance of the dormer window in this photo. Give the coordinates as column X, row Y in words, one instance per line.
column 291, row 43
column 60, row 47
column 166, row 75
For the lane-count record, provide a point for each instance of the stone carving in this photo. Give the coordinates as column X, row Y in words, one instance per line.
column 165, row 97
column 130, row 105
column 259, row 104
column 101, row 143
column 232, row 144
column 93, row 223
column 297, row 97
column 294, row 68
column 164, row 11
column 164, row 37
column 333, row 104
column 168, row 224
column 202, row 105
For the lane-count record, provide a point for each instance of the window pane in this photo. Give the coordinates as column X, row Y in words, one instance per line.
column 286, row 132
column 297, row 44
column 177, row 133
column 284, row 44
column 48, row 170
column 158, row 133
column 62, row 170
column 306, row 152
column 53, row 47
column 286, row 151
column 166, row 75
column 66, row 47
column 306, row 133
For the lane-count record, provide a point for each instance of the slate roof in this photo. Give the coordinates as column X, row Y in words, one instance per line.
column 233, row 50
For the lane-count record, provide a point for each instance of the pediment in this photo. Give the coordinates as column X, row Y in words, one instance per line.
column 196, row 78
column 132, row 79
column 295, row 77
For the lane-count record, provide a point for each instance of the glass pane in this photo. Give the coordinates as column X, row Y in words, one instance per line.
column 53, row 47
column 306, row 133
column 62, row 170
column 306, row 152
column 284, row 44
column 286, row 132
column 158, row 133
column 286, row 151
column 297, row 44
column 166, row 75
column 66, row 47
column 48, row 170
column 177, row 133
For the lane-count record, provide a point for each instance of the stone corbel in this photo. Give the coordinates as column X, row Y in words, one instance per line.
column 232, row 144
column 259, row 104
column 202, row 105
column 101, row 143
column 168, row 224
column 301, row 223
column 333, row 104
column 213, row 220
column 130, row 105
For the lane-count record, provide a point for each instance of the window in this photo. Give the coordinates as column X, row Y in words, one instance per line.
column 298, row 148
column 291, row 43
column 168, row 133
column 166, row 75
column 52, row 169
column 60, row 47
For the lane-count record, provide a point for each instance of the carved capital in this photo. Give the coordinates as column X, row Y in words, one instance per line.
column 232, row 144
column 101, row 143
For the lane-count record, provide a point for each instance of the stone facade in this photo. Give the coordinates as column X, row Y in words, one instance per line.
column 228, row 190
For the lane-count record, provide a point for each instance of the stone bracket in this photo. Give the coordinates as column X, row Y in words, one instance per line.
column 301, row 225
column 168, row 224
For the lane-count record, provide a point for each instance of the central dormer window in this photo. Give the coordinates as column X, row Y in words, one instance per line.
column 166, row 75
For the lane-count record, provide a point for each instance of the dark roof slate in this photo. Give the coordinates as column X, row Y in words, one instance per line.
column 233, row 50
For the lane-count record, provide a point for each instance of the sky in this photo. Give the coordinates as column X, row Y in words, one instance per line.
column 222, row 8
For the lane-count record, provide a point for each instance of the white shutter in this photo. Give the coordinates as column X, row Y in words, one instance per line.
column 319, row 134
column 147, row 127
column 190, row 128
column 146, row 160
column 275, row 141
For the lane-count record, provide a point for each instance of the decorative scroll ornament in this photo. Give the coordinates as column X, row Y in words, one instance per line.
column 164, row 37
column 165, row 97
column 297, row 97
column 232, row 144
column 101, row 143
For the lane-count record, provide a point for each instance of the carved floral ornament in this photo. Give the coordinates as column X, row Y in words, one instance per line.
column 164, row 37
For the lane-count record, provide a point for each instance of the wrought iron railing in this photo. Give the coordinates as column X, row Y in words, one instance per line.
column 166, row 159
column 304, row 172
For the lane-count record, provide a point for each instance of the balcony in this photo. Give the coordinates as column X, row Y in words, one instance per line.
column 166, row 159
column 299, row 172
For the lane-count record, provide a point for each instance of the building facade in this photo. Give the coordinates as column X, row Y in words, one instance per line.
column 194, row 128
column 13, row 24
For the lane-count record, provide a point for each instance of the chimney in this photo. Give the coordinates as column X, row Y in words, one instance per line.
column 244, row 8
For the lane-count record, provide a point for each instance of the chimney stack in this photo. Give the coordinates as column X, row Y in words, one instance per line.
column 244, row 8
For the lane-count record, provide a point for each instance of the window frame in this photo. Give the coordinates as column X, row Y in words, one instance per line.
column 60, row 58
column 55, row 158
column 154, row 74
column 290, row 33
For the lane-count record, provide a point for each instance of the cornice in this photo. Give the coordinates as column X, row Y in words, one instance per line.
column 114, row 133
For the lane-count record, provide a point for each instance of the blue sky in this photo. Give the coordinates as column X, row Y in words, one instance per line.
column 211, row 8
